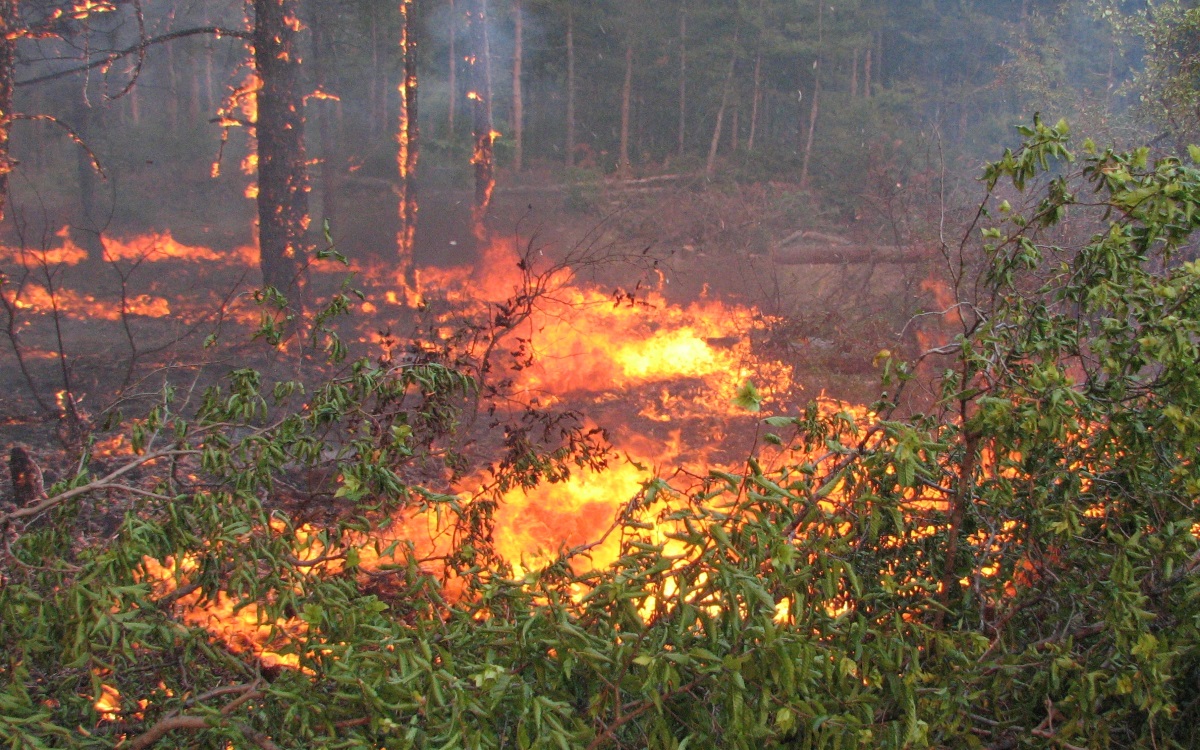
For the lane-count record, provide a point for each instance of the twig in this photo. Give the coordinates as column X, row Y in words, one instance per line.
column 140, row 47
column 174, row 721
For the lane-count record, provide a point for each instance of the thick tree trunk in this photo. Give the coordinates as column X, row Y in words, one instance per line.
column 682, row 77
column 279, row 130
column 623, row 166
column 481, row 105
column 570, row 85
column 518, row 104
column 9, row 29
column 409, row 143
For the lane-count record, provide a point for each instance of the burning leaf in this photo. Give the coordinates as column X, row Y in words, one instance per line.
column 748, row 397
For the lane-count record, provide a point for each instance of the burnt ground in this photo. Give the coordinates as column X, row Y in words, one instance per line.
column 689, row 241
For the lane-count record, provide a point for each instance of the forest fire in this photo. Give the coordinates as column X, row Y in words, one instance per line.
column 575, row 346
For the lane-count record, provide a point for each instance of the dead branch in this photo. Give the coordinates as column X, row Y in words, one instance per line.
column 140, row 47
column 104, row 483
column 174, row 721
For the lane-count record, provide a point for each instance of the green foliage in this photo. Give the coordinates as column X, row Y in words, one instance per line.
column 1016, row 568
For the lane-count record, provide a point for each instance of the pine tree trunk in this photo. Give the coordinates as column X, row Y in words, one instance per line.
column 9, row 24
column 282, row 173
column 854, row 75
column 623, row 166
column 323, row 60
column 734, row 124
column 86, row 233
column 711, row 165
column 814, row 108
column 867, row 75
column 481, row 105
column 570, row 85
column 518, row 105
column 755, row 101
column 409, row 142
column 173, row 84
column 453, row 67
column 756, row 94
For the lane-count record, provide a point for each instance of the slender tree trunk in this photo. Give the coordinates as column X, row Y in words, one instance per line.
column 323, row 60
column 453, row 82
column 173, row 83
column 195, row 86
column 210, row 99
column 279, row 130
column 814, row 108
column 756, row 94
column 518, row 105
column 711, row 165
column 481, row 105
column 377, row 110
column 86, row 233
column 854, row 75
column 879, row 56
column 9, row 28
column 755, row 100
column 570, row 85
column 623, row 166
column 409, row 142
column 682, row 76
column 867, row 75
column 734, row 124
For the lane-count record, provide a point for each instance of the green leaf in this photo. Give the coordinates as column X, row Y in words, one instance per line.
column 748, row 397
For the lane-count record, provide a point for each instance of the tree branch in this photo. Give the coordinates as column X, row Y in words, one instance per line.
column 115, row 55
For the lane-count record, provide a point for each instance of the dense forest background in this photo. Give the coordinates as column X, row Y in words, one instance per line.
column 852, row 100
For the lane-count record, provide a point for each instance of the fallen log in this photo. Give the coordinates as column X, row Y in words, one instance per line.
column 809, row 255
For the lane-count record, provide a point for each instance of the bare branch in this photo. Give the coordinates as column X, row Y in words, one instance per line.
column 138, row 49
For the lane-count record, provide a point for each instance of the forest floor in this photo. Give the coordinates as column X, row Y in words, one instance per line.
column 686, row 241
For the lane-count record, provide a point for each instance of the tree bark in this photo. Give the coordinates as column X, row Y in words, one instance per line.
column 623, row 166
column 570, row 85
column 483, row 157
column 9, row 28
column 518, row 105
column 279, row 131
column 409, row 142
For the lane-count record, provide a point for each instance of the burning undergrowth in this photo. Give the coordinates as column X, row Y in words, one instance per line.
column 573, row 397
